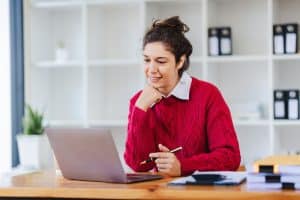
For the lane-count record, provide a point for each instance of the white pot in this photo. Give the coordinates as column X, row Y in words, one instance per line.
column 61, row 55
column 34, row 151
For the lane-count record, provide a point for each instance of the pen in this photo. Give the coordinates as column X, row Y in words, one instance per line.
column 152, row 158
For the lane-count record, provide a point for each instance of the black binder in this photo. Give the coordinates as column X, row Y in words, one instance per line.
column 291, row 38
column 213, row 41
column 225, row 41
column 293, row 104
column 280, row 104
column 278, row 39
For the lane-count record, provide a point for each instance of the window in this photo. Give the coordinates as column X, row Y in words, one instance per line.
column 5, row 85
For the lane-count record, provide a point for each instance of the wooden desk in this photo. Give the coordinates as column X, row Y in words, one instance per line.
column 48, row 185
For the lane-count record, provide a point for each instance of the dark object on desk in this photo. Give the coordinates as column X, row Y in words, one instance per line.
column 206, row 179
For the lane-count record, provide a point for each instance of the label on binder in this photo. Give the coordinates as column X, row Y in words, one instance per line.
column 279, row 109
column 225, row 46
column 278, row 44
column 293, row 108
column 291, row 42
column 213, row 46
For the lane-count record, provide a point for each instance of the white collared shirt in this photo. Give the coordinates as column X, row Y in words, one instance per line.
column 182, row 89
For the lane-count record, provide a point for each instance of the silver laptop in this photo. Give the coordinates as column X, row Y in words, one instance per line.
column 90, row 154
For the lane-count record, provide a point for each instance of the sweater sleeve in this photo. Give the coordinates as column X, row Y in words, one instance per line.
column 140, row 138
column 223, row 148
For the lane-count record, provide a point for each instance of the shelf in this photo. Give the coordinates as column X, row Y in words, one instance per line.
column 64, row 123
column 110, row 123
column 112, row 2
column 56, row 4
column 234, row 58
column 251, row 122
column 286, row 57
column 55, row 64
column 106, row 123
column 113, row 62
column 286, row 122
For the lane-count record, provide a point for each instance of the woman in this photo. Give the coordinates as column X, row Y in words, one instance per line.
column 176, row 110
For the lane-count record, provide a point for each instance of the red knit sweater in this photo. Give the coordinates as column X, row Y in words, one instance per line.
column 202, row 125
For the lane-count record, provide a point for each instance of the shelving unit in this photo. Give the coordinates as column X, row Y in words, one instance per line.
column 104, row 68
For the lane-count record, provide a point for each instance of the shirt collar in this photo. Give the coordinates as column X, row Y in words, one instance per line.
column 182, row 89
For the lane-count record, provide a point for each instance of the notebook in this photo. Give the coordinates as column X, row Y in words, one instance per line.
column 90, row 154
column 218, row 178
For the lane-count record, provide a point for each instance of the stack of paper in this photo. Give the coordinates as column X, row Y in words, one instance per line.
column 275, row 172
column 228, row 178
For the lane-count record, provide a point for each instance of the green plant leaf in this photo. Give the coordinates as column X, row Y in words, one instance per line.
column 32, row 122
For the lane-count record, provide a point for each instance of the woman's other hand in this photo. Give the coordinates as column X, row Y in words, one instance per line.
column 166, row 161
column 148, row 97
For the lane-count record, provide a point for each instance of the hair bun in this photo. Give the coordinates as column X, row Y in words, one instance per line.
column 172, row 22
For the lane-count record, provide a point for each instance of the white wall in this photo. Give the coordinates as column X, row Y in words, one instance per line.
column 5, row 100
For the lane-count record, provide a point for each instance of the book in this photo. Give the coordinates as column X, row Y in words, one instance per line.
column 273, row 186
column 272, row 178
column 277, row 164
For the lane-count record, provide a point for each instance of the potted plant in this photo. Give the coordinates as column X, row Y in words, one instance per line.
column 33, row 146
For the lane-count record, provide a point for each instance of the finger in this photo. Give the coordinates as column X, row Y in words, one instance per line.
column 160, row 155
column 163, row 148
column 163, row 166
column 164, row 170
column 162, row 161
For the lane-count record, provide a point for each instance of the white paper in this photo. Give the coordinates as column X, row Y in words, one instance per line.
column 279, row 109
column 290, row 45
column 278, row 44
column 293, row 108
column 213, row 46
column 225, row 46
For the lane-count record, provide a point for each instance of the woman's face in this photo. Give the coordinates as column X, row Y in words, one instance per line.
column 160, row 67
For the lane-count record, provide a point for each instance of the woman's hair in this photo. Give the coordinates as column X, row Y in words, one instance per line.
column 171, row 32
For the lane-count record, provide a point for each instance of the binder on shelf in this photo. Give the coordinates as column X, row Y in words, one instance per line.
column 291, row 38
column 293, row 104
column 280, row 104
column 278, row 39
column 225, row 41
column 213, row 41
